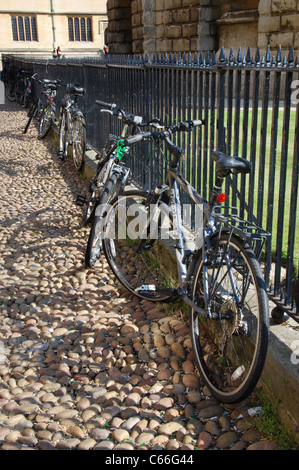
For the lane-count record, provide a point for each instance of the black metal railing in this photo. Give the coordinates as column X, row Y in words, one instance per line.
column 250, row 107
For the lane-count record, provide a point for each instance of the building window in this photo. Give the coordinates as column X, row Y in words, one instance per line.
column 24, row 28
column 80, row 29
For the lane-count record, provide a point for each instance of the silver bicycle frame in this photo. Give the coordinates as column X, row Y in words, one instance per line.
column 175, row 180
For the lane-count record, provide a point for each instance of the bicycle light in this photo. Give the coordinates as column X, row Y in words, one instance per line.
column 221, row 197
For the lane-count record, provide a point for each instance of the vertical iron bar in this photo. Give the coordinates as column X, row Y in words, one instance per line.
column 292, row 223
column 247, row 81
column 282, row 184
column 272, row 169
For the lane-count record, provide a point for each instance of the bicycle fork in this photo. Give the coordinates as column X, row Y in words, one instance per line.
column 65, row 132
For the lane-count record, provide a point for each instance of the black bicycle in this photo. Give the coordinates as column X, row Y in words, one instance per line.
column 43, row 108
column 206, row 255
column 9, row 78
column 72, row 129
column 111, row 176
column 24, row 88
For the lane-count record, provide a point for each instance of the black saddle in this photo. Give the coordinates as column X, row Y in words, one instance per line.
column 74, row 90
column 225, row 164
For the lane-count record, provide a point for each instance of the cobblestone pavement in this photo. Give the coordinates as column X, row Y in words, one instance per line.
column 83, row 364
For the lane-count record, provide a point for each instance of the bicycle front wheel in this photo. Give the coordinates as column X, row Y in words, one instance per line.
column 62, row 134
column 95, row 239
column 141, row 260
column 32, row 113
column 46, row 122
column 230, row 347
column 79, row 137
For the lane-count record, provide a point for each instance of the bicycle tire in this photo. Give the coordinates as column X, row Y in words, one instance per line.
column 10, row 91
column 97, row 184
column 96, row 189
column 46, row 121
column 94, row 244
column 62, row 135
column 26, row 99
column 138, row 269
column 20, row 91
column 31, row 114
column 230, row 352
column 78, row 141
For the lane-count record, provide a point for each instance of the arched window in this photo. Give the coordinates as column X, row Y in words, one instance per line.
column 83, row 29
column 89, row 29
column 77, row 29
column 80, row 29
column 33, row 28
column 21, row 28
column 24, row 28
column 27, row 28
column 14, row 28
column 71, row 29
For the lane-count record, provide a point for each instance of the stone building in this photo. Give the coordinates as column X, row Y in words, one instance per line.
column 40, row 26
column 141, row 26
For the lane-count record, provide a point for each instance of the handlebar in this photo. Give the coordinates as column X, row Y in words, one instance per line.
column 115, row 110
column 182, row 126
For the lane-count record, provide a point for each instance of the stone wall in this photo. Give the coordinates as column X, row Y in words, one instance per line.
column 177, row 25
column 120, row 26
column 140, row 26
column 278, row 24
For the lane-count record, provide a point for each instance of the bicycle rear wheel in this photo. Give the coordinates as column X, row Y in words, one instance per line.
column 230, row 348
column 79, row 137
column 10, row 91
column 141, row 260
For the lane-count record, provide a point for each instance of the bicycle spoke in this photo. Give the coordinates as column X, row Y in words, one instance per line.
column 230, row 346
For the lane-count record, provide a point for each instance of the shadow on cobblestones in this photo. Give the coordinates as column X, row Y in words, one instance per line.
column 88, row 366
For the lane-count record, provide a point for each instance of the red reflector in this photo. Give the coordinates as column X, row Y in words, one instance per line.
column 30, row 88
column 51, row 99
column 221, row 197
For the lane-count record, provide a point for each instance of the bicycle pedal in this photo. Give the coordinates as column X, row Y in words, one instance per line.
column 80, row 200
column 149, row 290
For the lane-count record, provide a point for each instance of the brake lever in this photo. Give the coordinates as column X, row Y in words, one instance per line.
column 107, row 111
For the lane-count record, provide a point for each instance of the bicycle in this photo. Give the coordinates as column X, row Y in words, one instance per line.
column 214, row 266
column 43, row 108
column 24, row 88
column 9, row 77
column 110, row 178
column 72, row 130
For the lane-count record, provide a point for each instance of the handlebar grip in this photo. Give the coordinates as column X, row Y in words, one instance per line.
column 197, row 122
column 137, row 138
column 102, row 103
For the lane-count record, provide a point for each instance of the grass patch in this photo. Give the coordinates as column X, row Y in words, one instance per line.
column 270, row 424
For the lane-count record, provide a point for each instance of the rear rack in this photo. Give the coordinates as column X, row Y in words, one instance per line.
column 249, row 231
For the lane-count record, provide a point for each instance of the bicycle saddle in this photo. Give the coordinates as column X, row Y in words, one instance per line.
column 226, row 164
column 76, row 90
column 51, row 86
